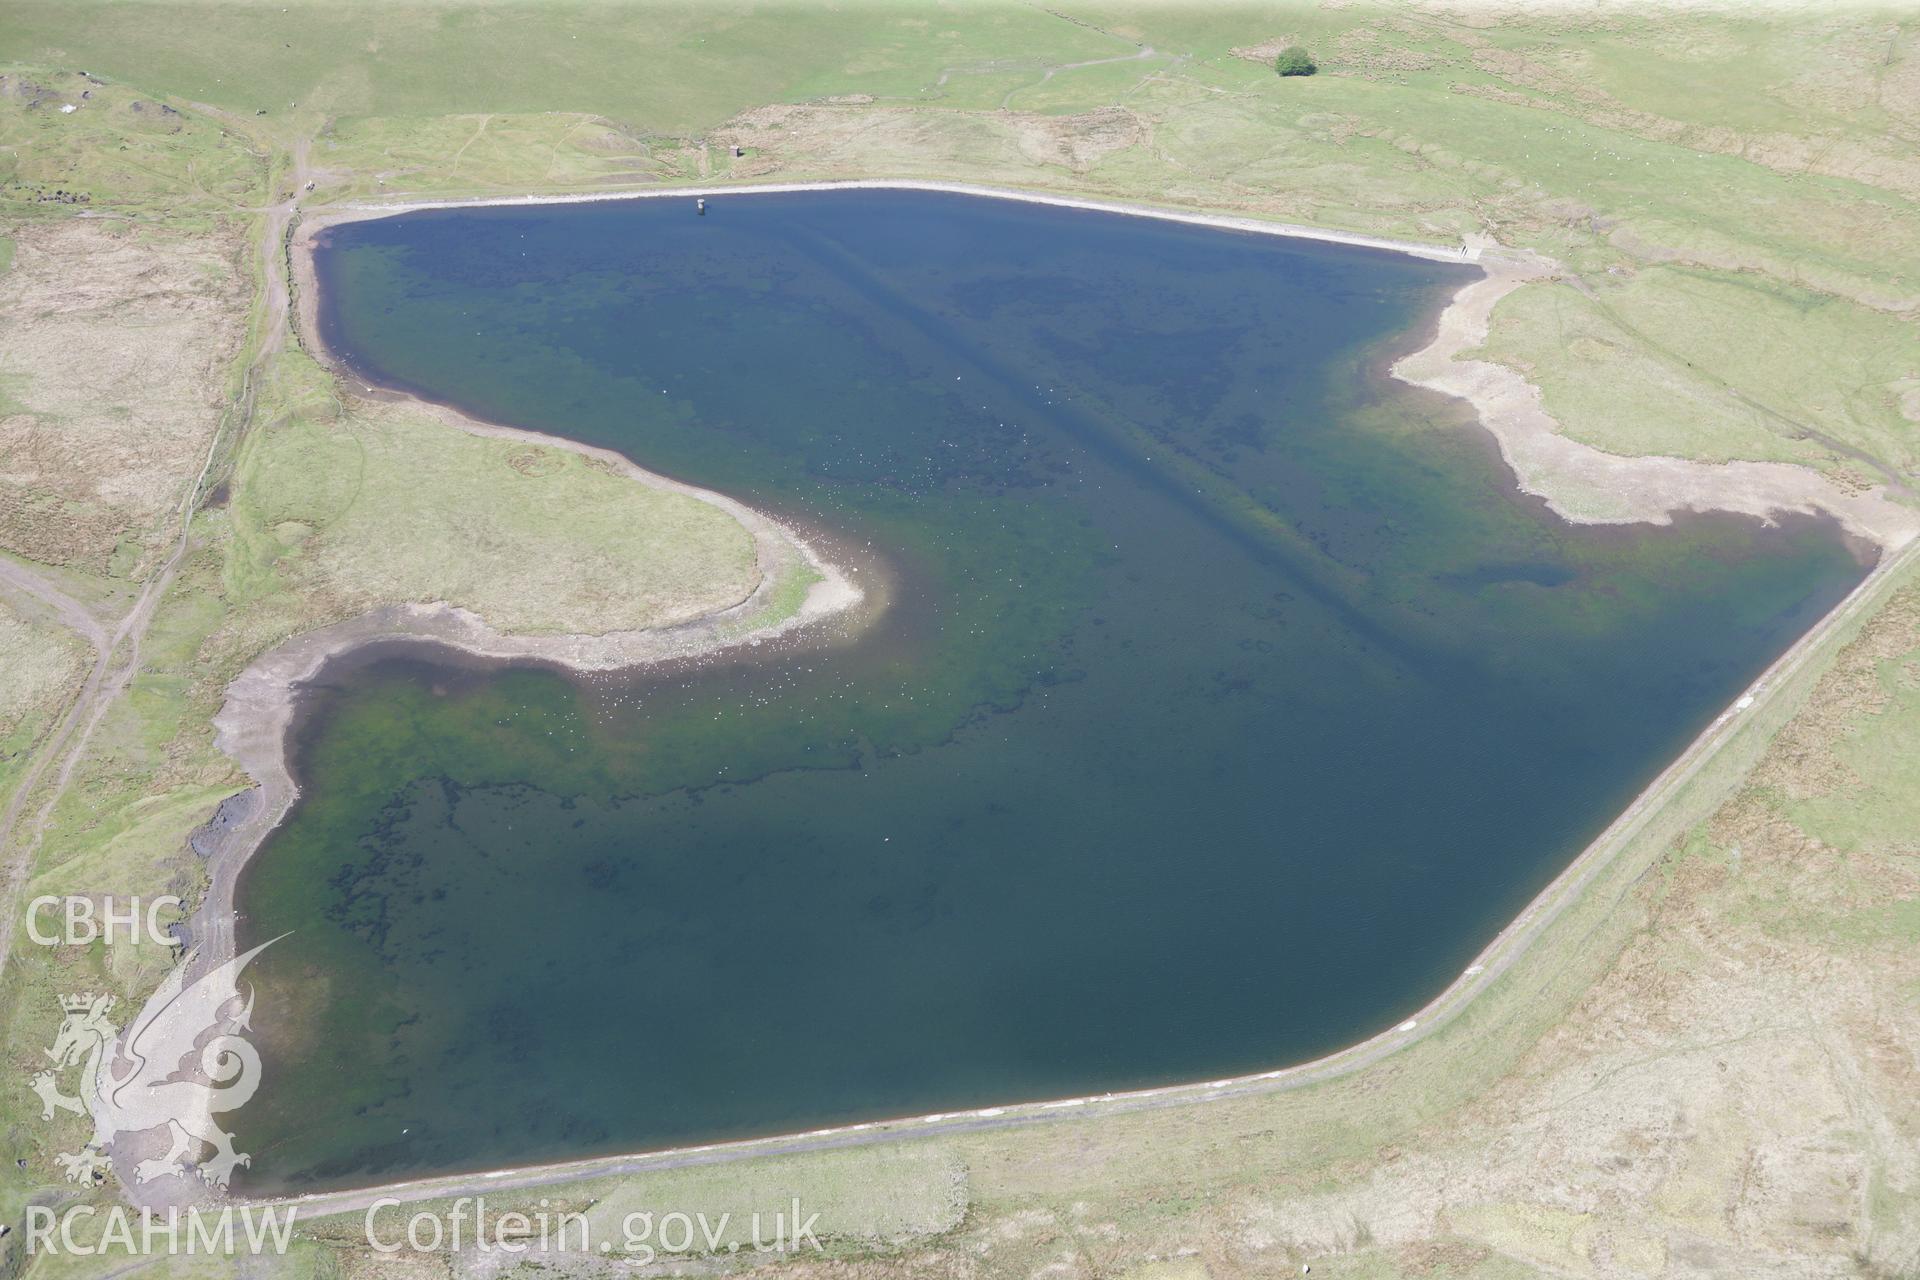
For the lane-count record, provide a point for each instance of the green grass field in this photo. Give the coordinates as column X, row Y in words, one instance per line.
column 44, row 665
column 324, row 497
column 1706, row 1065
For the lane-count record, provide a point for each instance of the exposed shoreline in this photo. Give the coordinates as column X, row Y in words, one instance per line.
column 1467, row 252
column 254, row 723
column 1582, row 484
column 1579, row 483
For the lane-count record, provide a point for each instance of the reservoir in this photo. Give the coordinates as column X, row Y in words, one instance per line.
column 1227, row 698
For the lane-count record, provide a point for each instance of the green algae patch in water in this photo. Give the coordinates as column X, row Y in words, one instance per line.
column 1228, row 701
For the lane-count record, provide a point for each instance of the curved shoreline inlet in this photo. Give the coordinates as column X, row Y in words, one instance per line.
column 1230, row 696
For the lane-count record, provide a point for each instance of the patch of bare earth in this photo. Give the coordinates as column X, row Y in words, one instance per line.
column 1266, row 51
column 114, row 350
column 864, row 140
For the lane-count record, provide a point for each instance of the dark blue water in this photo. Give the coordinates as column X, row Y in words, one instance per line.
column 1228, row 699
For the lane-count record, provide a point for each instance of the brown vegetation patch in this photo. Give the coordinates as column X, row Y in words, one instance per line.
column 114, row 351
column 1802, row 761
column 1078, row 141
column 906, row 141
column 1266, row 51
column 1371, row 51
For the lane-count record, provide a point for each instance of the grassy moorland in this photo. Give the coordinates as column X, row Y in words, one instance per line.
column 44, row 664
column 1704, row 1067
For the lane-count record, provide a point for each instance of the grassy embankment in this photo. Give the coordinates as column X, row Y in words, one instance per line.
column 1701, row 1062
